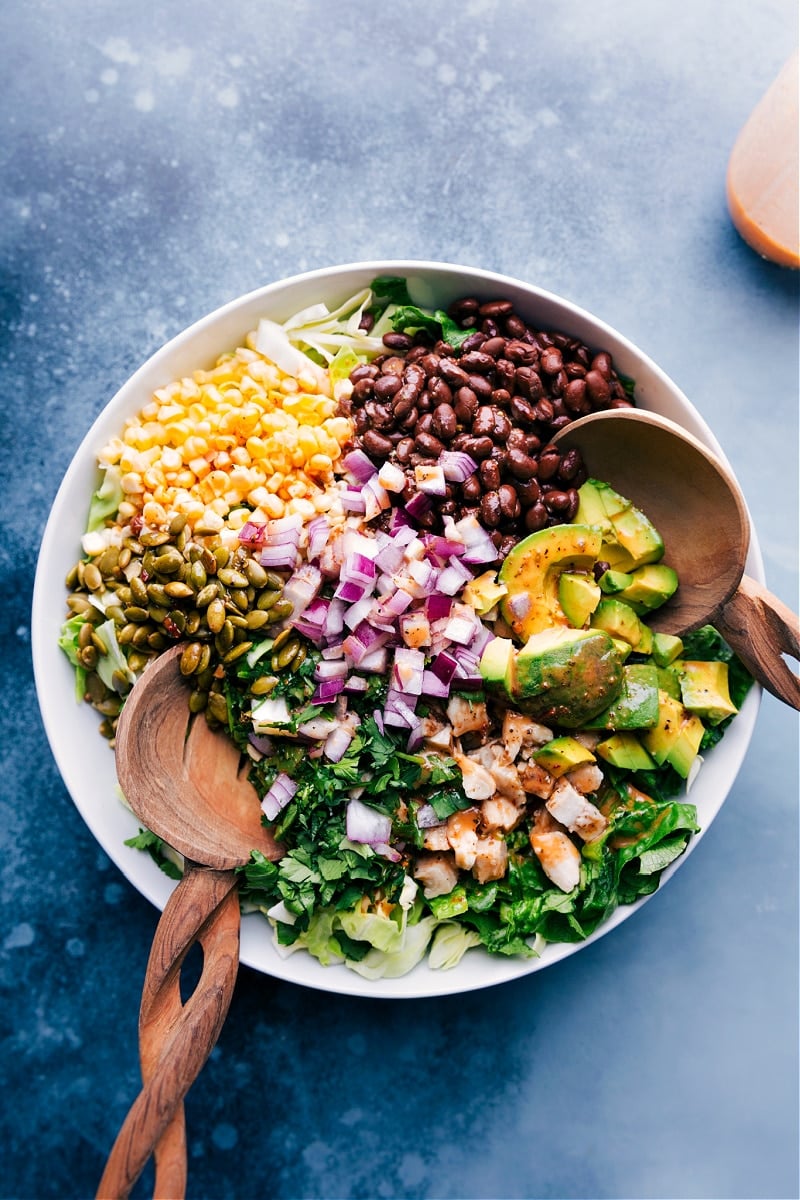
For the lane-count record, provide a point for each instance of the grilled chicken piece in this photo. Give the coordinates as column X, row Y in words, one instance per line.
column 523, row 733
column 559, row 857
column 467, row 716
column 587, row 778
column 462, row 834
column 536, row 780
column 491, row 859
column 437, row 873
column 572, row 809
column 500, row 812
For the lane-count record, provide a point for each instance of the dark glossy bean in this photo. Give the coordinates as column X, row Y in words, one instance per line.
column 392, row 365
column 360, row 420
column 574, row 369
column 445, row 422
column 496, row 308
column 440, row 390
column 597, row 388
column 521, row 465
column 544, row 410
column 556, row 501
column 489, row 474
column 463, row 307
column 429, row 363
column 569, row 466
column 575, row 396
column 560, row 422
column 602, row 364
column 465, row 405
column 505, row 374
column 548, row 464
column 490, row 327
column 404, row 449
column 362, row 390
column 621, row 403
column 414, row 376
column 476, row 360
column 452, row 372
column 471, row 488
column 574, row 503
column 522, row 411
column 411, row 417
column 483, row 422
column 478, row 447
column 491, row 513
column 425, row 423
column 528, row 383
column 502, row 425
column 428, row 445
column 536, row 517
column 481, row 385
column 386, row 386
column 397, row 341
column 364, row 371
column 551, row 360
column 494, row 347
column 515, row 326
column 510, row 506
column 376, row 444
column 473, row 342
column 501, row 397
column 521, row 353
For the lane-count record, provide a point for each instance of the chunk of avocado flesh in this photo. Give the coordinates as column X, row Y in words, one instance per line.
column 497, row 662
column 650, row 587
column 531, row 573
column 637, row 705
column 626, row 751
column 483, row 593
column 618, row 620
column 630, row 540
column 562, row 754
column 578, row 596
column 666, row 648
column 705, row 691
column 566, row 675
column 612, row 582
column 677, row 736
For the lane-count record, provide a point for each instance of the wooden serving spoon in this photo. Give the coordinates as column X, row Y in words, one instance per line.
column 186, row 784
column 698, row 508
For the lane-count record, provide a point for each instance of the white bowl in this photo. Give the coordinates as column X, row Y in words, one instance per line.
column 84, row 759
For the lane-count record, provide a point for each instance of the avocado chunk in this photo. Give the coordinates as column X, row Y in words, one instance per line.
column 578, row 596
column 666, row 648
column 484, row 592
column 562, row 754
column 612, row 582
column 626, row 751
column 669, row 680
column 619, row 620
column 531, row 573
column 566, row 675
column 630, row 540
column 637, row 705
column 705, row 691
column 650, row 587
column 677, row 736
column 497, row 662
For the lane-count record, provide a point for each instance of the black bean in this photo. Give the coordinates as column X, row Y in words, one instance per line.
column 445, row 422
column 386, row 386
column 496, row 308
column 490, row 474
column 397, row 341
column 597, row 387
column 483, row 422
column 466, row 405
column 521, row 353
column 510, row 506
column 528, row 383
column 440, row 390
column 478, row 447
column 521, row 465
column 491, row 513
column 376, row 444
column 428, row 445
column 476, row 360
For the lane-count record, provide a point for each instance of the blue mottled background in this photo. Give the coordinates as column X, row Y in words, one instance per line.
column 156, row 161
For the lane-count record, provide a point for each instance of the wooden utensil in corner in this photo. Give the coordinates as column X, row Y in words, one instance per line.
column 698, row 508
column 186, row 784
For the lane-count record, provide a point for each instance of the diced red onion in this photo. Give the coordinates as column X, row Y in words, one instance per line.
column 442, row 547
column 429, row 478
column 453, row 577
column 327, row 691
column 252, row 534
column 457, row 465
column 350, row 592
column 302, row 588
column 261, row 742
column 438, row 606
column 357, row 462
column 399, row 710
column 358, row 612
column 444, row 666
column 356, row 684
column 319, row 532
column 374, row 663
column 407, row 669
column 330, row 669
column 376, row 498
column 399, row 520
column 386, row 851
column 434, row 687
column 427, row 818
column 334, row 622
column 278, row 796
column 418, row 505
column 337, row 742
column 365, row 825
column 286, row 557
column 520, row 604
column 353, row 501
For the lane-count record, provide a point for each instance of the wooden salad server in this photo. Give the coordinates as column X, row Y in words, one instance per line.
column 186, row 784
column 698, row 508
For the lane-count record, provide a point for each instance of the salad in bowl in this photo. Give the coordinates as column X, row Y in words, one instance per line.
column 423, row 624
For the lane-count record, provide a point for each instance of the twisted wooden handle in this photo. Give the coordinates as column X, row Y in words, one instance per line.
column 760, row 629
column 175, row 1039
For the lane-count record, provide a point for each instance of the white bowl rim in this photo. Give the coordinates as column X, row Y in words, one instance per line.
column 257, row 952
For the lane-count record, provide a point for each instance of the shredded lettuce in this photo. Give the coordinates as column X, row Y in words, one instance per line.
column 69, row 644
column 113, row 660
column 106, row 500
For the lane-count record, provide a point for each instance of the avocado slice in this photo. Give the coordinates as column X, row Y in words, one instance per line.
column 531, row 573
column 666, row 648
column 562, row 754
column 612, row 582
column 626, row 751
column 677, row 736
column 651, row 586
column 630, row 540
column 566, row 675
column 484, row 592
column 618, row 620
column 637, row 705
column 705, row 691
column 578, row 596
column 497, row 662
column 669, row 680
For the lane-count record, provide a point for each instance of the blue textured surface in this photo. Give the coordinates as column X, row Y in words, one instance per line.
column 156, row 161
